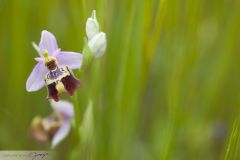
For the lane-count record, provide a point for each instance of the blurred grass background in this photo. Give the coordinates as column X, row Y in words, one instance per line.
column 167, row 87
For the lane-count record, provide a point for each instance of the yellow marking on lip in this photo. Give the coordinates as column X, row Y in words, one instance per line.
column 60, row 87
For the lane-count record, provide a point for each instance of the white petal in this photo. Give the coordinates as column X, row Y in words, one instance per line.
column 71, row 59
column 64, row 107
column 36, row 79
column 92, row 26
column 61, row 134
column 48, row 42
column 98, row 44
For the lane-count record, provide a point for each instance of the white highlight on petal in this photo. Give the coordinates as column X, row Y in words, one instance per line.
column 98, row 44
column 71, row 59
column 63, row 107
column 62, row 132
column 92, row 26
column 48, row 42
column 39, row 59
column 36, row 79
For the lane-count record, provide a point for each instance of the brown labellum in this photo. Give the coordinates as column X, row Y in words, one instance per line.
column 61, row 80
column 43, row 129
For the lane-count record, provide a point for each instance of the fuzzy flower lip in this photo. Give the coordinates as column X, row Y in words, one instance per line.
column 55, row 127
column 48, row 43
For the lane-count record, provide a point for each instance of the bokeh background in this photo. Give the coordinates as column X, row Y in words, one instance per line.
column 166, row 88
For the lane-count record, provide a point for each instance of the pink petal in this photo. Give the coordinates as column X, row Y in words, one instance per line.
column 71, row 59
column 64, row 107
column 36, row 79
column 48, row 42
column 61, row 134
column 39, row 59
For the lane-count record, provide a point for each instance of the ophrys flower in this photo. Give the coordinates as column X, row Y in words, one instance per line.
column 54, row 68
column 54, row 127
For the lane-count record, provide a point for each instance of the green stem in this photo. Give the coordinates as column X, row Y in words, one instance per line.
column 76, row 120
column 87, row 59
column 75, row 134
column 76, row 110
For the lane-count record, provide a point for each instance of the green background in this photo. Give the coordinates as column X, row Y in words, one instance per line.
column 166, row 88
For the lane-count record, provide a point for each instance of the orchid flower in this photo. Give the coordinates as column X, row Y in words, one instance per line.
column 56, row 126
column 54, row 68
column 96, row 40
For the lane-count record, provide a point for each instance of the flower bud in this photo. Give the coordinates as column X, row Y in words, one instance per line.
column 98, row 44
column 92, row 26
